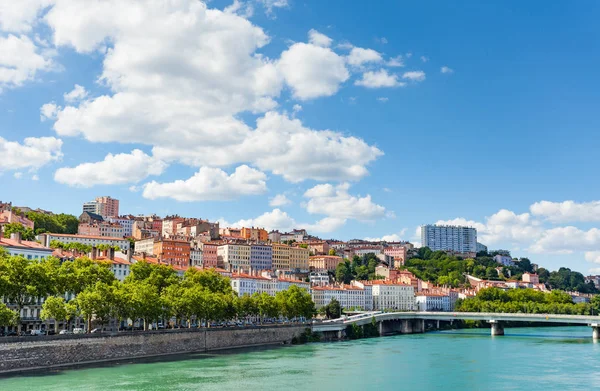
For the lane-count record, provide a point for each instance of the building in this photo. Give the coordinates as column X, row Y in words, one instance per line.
column 101, row 229
column 144, row 246
column 234, row 257
column 210, row 258
column 124, row 221
column 169, row 225
column 90, row 240
column 389, row 295
column 274, row 236
column 364, row 250
column 298, row 259
column 24, row 248
column 433, row 302
column 104, row 206
column 173, row 252
column 296, row 235
column 449, row 238
column 531, row 278
column 319, row 278
column 281, row 256
column 398, row 254
column 324, row 262
column 8, row 216
column 348, row 296
column 504, row 260
column 481, row 248
column 196, row 257
column 261, row 257
column 318, row 247
column 255, row 234
column 90, row 218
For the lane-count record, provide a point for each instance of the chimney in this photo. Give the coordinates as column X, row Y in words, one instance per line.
column 129, row 255
column 94, row 253
column 111, row 254
column 16, row 236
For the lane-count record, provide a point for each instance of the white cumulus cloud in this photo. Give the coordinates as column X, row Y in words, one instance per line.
column 361, row 56
column 32, row 154
column 114, row 169
column 567, row 211
column 414, row 75
column 210, row 184
column 21, row 60
column 279, row 200
column 319, row 39
column 78, row 93
column 336, row 202
column 445, row 69
column 379, row 79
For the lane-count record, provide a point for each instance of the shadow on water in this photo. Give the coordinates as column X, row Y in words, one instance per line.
column 45, row 372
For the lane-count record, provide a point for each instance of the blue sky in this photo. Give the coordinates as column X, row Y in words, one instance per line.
column 363, row 121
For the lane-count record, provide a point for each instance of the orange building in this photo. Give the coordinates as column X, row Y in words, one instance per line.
column 173, row 252
column 258, row 234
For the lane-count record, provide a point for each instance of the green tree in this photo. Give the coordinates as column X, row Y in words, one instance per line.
column 266, row 305
column 145, row 301
column 26, row 233
column 8, row 317
column 343, row 272
column 54, row 308
column 332, row 251
column 333, row 310
column 95, row 302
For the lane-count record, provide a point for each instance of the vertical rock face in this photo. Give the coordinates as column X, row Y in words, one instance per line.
column 27, row 353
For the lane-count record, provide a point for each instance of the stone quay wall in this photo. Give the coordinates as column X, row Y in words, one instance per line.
column 29, row 353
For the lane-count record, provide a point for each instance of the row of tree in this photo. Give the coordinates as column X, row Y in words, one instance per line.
column 360, row 268
column 81, row 247
column 56, row 223
column 150, row 293
column 526, row 301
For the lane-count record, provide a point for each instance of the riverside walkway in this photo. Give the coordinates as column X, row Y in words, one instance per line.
column 414, row 322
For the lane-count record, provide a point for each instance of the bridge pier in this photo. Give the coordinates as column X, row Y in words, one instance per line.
column 418, row 326
column 595, row 331
column 497, row 328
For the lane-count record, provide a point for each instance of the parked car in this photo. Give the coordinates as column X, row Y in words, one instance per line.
column 78, row 330
column 96, row 330
column 11, row 334
column 36, row 333
column 65, row 332
column 51, row 332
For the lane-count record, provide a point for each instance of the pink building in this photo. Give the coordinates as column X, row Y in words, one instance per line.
column 109, row 206
column 209, row 255
column 324, row 262
column 398, row 253
column 531, row 278
column 8, row 216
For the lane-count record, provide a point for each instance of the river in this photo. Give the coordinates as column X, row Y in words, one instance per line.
column 551, row 358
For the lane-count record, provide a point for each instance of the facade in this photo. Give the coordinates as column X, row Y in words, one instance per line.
column 169, row 226
column 124, row 221
column 449, row 238
column 531, row 278
column 255, row 234
column 364, row 250
column 91, row 240
column 234, row 257
column 7, row 216
column 101, row 229
column 121, row 268
column 398, row 253
column 348, row 296
column 261, row 257
column 24, row 248
column 481, row 248
column 247, row 284
column 144, row 246
column 319, row 248
column 504, row 260
column 281, row 256
column 324, row 262
column 209, row 255
column 388, row 295
column 319, row 278
column 274, row 236
column 196, row 257
column 298, row 258
column 296, row 235
column 173, row 252
column 104, row 206
column 433, row 302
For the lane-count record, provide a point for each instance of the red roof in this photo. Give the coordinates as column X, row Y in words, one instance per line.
column 5, row 242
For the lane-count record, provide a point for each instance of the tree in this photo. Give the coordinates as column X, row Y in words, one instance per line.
column 332, row 251
column 95, row 301
column 333, row 310
column 8, row 317
column 54, row 308
column 343, row 272
column 209, row 279
column 145, row 301
column 159, row 276
column 266, row 305
column 26, row 233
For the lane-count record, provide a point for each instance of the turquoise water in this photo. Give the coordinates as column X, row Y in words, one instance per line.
column 562, row 358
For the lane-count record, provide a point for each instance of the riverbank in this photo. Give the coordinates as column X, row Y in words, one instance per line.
column 42, row 353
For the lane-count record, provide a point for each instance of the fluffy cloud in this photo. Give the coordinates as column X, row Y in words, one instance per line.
column 389, row 238
column 210, row 184
column 336, row 202
column 592, row 256
column 32, row 154
column 361, row 56
column 279, row 200
column 78, row 93
column 20, row 16
column 114, row 169
column 20, row 60
column 397, row 61
column 270, row 5
column 567, row 211
column 312, row 71
column 445, row 69
column 280, row 220
column 319, row 39
column 378, row 79
column 414, row 75
column 565, row 240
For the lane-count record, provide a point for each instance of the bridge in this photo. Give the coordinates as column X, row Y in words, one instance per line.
column 414, row 322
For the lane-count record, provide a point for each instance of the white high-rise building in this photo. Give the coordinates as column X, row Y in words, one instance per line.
column 449, row 237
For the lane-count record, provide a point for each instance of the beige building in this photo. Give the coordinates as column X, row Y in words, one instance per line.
column 234, row 256
column 281, row 256
column 298, row 258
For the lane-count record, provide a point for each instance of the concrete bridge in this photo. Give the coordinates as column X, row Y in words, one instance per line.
column 414, row 322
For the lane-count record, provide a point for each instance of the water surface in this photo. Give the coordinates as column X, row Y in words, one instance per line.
column 556, row 358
